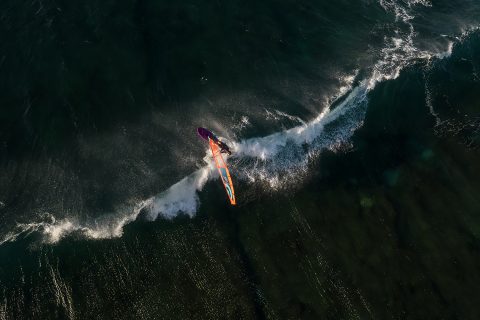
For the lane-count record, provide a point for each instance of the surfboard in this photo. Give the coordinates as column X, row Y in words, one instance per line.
column 223, row 170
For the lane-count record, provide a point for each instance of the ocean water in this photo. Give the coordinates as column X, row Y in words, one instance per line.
column 355, row 131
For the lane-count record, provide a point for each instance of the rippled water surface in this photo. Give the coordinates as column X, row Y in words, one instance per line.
column 355, row 130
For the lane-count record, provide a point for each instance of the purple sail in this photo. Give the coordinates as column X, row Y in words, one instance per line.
column 205, row 134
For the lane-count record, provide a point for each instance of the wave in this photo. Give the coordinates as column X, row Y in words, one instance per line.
column 277, row 159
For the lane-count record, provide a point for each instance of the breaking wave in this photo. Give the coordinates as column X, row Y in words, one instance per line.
column 274, row 159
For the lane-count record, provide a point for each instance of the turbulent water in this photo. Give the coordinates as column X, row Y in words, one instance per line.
column 355, row 131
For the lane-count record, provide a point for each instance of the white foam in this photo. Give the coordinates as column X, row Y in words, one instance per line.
column 425, row 3
column 429, row 100
column 268, row 147
column 242, row 124
column 347, row 83
column 443, row 55
column 447, row 53
column 399, row 50
column 53, row 230
column 182, row 196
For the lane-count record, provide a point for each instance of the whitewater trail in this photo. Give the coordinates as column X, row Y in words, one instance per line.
column 276, row 159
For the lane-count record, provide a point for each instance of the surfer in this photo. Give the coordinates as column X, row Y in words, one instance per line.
column 218, row 147
column 223, row 147
column 205, row 134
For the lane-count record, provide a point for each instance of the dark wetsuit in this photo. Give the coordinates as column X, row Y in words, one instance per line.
column 224, row 148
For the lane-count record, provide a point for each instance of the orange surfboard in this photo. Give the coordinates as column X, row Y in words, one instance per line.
column 223, row 170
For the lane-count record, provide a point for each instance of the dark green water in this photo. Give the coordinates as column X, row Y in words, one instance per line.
column 356, row 135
